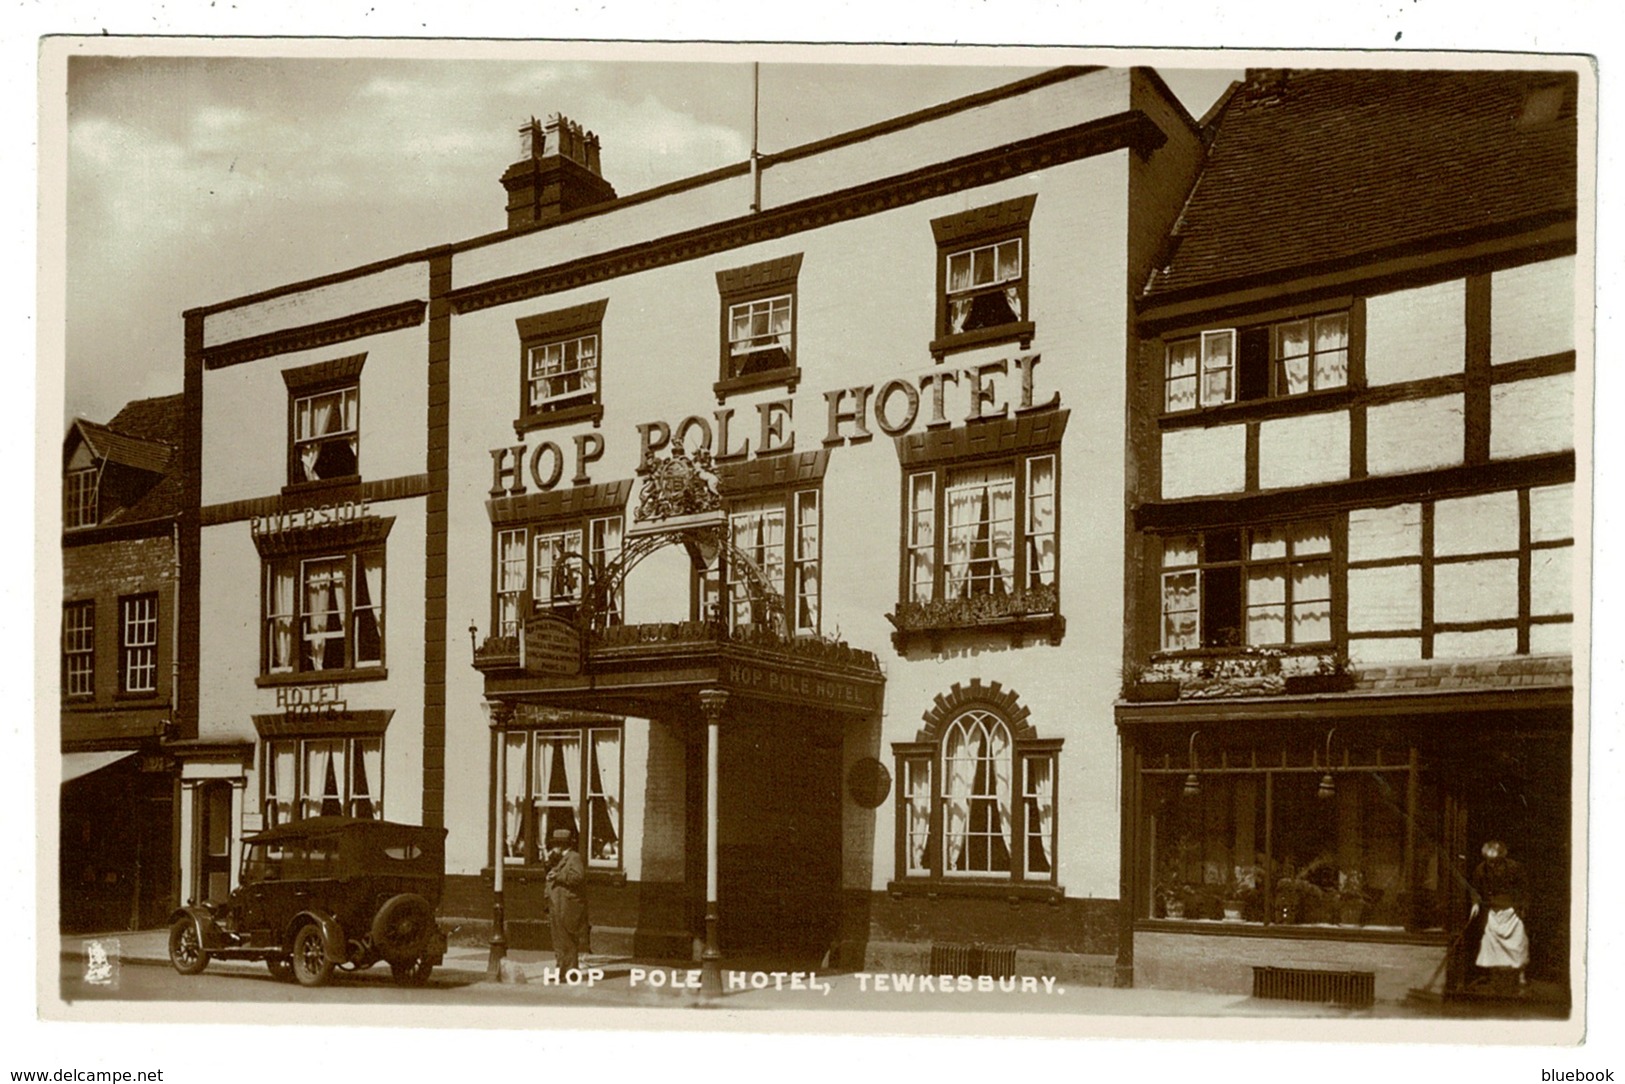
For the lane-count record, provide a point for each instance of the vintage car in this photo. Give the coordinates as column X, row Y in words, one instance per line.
column 323, row 893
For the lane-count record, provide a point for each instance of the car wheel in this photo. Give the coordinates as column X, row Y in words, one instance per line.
column 186, row 947
column 403, row 927
column 410, row 972
column 310, row 963
column 281, row 968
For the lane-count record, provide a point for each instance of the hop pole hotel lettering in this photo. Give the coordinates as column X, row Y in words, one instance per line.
column 879, row 659
column 851, row 411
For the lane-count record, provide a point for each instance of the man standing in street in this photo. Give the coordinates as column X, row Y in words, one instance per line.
column 566, row 876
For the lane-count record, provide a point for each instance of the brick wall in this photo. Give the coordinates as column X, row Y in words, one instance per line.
column 1508, row 673
column 1075, row 939
column 665, row 809
column 106, row 571
column 1224, row 965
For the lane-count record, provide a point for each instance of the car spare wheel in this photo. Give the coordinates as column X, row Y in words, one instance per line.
column 310, row 963
column 186, row 947
column 402, row 929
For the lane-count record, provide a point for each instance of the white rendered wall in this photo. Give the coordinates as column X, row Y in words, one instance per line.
column 1532, row 310
column 1197, row 462
column 1418, row 333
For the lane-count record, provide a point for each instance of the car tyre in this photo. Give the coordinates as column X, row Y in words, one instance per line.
column 281, row 968
column 310, row 963
column 403, row 926
column 410, row 972
column 186, row 950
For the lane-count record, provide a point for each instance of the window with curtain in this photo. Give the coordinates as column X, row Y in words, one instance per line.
column 983, row 262
column 981, row 530
column 561, row 365
column 326, row 434
column 563, row 778
column 548, row 567
column 1262, row 586
column 760, row 335
column 780, row 534
column 324, row 614
column 562, row 374
column 321, row 777
column 758, row 324
column 557, row 563
column 977, row 803
column 985, row 286
column 1227, row 365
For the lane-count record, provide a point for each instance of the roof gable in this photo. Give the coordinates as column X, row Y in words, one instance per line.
column 139, row 456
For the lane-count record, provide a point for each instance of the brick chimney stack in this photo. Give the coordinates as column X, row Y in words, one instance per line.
column 557, row 172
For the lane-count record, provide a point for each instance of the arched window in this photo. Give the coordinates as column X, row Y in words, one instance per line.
column 977, row 793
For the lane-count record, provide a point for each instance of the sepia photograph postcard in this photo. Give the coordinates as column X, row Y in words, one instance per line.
column 560, row 538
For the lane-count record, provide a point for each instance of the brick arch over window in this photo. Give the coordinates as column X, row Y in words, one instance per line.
column 960, row 698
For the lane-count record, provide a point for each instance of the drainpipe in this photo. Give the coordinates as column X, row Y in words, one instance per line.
column 175, row 624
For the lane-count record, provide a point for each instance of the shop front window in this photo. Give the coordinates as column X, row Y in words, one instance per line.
column 1355, row 845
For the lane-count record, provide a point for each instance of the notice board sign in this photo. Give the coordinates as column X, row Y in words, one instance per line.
column 550, row 645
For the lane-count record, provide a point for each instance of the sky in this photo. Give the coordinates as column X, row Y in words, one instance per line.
column 192, row 180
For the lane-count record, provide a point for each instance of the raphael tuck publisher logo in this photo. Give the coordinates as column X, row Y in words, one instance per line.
column 102, row 961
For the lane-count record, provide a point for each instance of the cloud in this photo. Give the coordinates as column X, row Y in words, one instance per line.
column 651, row 143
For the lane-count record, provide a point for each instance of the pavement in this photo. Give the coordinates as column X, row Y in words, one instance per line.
column 531, row 975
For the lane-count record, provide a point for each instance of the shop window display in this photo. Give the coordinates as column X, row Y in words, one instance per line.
column 1350, row 846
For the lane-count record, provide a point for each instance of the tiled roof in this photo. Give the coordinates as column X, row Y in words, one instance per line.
column 1317, row 169
column 159, row 419
column 115, row 447
column 144, row 435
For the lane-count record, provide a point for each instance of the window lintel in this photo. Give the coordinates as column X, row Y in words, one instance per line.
column 1006, row 216
column 992, row 439
column 324, row 374
column 767, row 277
column 355, row 724
column 563, row 323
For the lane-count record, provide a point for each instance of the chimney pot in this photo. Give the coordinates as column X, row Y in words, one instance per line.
column 558, row 172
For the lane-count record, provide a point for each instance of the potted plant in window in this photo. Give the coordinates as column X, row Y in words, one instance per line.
column 1240, row 893
column 1297, row 898
column 1173, row 893
column 1143, row 684
column 1351, row 898
column 1331, row 675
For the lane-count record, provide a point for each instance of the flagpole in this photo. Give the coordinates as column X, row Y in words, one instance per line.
column 755, row 132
